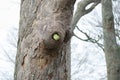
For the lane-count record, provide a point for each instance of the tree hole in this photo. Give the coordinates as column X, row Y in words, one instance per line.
column 56, row 36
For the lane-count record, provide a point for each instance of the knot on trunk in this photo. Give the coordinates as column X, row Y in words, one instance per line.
column 53, row 37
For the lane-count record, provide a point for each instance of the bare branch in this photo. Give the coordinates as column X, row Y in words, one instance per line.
column 80, row 38
column 89, row 39
column 91, row 8
column 81, row 11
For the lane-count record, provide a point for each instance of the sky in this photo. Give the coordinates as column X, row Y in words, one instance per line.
column 9, row 19
column 9, row 13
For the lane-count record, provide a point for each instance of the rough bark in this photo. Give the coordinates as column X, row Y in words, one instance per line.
column 112, row 51
column 40, row 55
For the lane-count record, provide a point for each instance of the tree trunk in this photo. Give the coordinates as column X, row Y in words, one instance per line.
column 43, row 51
column 112, row 51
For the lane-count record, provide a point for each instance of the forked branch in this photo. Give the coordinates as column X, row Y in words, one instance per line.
column 81, row 10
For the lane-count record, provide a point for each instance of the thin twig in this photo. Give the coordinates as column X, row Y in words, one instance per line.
column 89, row 39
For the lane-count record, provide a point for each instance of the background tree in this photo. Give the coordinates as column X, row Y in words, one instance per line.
column 112, row 51
column 111, row 46
column 110, row 33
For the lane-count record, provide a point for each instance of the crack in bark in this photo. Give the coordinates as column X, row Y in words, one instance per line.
column 24, row 60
